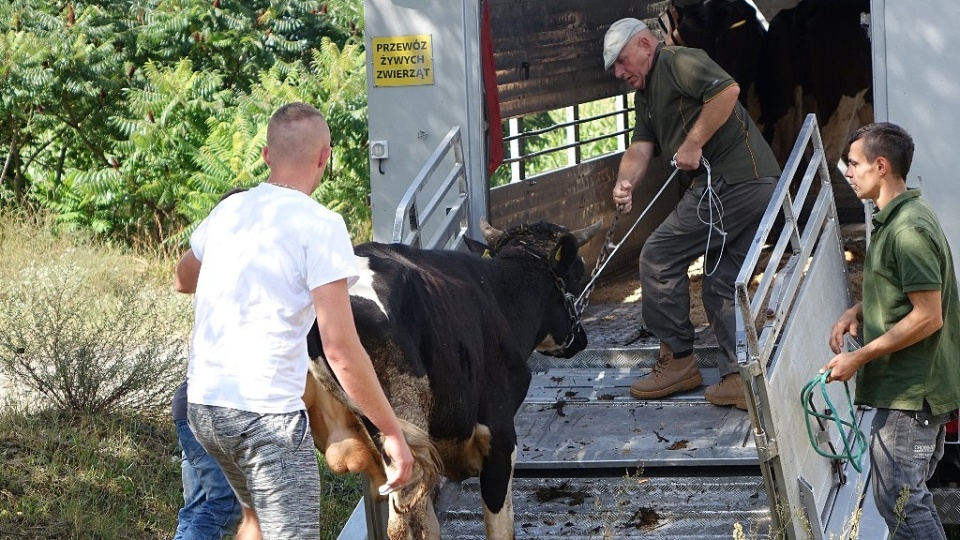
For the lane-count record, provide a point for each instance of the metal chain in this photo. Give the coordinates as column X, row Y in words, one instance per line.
column 584, row 298
column 608, row 247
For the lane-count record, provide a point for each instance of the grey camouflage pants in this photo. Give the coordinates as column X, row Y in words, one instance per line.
column 271, row 464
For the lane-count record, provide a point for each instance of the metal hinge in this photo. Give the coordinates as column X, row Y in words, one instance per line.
column 766, row 448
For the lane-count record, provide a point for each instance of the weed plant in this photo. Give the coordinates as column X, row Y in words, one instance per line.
column 84, row 327
column 82, row 476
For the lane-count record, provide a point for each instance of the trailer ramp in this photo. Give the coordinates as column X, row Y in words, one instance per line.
column 595, row 463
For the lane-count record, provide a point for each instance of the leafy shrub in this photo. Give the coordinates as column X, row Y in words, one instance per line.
column 86, row 329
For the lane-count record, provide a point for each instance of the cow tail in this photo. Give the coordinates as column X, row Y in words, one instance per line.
column 426, row 469
column 427, row 463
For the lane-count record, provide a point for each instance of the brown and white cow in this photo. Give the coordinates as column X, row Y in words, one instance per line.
column 449, row 334
column 814, row 57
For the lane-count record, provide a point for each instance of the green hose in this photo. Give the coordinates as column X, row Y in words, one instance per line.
column 859, row 440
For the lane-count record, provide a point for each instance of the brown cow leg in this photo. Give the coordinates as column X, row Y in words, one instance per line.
column 339, row 435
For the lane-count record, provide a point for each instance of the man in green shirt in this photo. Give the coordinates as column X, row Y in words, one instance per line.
column 909, row 368
column 687, row 107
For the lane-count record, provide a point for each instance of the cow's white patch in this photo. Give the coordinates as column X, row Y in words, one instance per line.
column 500, row 526
column 364, row 285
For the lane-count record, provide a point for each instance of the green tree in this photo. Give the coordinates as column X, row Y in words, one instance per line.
column 335, row 81
column 118, row 116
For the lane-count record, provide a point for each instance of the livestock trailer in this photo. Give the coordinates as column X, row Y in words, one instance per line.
column 448, row 82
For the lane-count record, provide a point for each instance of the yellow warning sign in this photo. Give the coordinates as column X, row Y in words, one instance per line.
column 403, row 60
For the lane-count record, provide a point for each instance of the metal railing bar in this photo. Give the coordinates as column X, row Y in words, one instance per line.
column 452, row 138
column 815, row 226
column 807, row 182
column 780, row 195
column 565, row 146
column 749, row 310
column 548, row 129
column 769, row 274
column 450, row 222
column 449, row 182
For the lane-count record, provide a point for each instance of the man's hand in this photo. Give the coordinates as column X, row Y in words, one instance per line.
column 401, row 464
column 623, row 195
column 633, row 165
column 842, row 366
column 688, row 157
column 848, row 323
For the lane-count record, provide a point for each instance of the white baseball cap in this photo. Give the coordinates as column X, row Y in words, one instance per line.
column 617, row 37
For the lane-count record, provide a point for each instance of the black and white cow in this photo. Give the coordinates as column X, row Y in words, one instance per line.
column 449, row 334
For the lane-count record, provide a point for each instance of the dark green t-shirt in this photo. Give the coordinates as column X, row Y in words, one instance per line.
column 909, row 252
column 679, row 83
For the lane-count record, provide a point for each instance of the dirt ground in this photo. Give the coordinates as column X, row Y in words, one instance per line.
column 612, row 300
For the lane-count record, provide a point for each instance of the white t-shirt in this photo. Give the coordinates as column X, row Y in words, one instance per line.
column 262, row 251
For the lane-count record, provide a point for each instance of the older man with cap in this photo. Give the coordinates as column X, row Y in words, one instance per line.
column 687, row 109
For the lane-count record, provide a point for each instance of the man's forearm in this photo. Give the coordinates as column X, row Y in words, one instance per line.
column 634, row 162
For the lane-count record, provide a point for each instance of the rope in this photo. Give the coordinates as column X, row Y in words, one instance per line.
column 603, row 259
column 853, row 455
column 714, row 224
column 714, row 221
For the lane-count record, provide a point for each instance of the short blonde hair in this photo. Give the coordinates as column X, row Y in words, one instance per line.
column 296, row 133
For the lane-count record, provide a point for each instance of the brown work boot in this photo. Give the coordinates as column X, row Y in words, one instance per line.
column 669, row 376
column 729, row 391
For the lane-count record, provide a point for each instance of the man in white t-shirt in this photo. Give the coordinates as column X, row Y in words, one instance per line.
column 263, row 265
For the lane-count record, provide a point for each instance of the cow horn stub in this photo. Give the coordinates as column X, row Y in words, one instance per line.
column 585, row 234
column 490, row 234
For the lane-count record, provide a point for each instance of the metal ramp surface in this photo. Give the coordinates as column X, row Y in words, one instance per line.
column 674, row 508
column 583, row 418
column 593, row 462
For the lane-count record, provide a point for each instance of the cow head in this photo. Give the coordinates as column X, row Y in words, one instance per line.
column 555, row 249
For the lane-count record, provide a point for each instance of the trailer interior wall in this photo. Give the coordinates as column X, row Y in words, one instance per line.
column 916, row 84
column 548, row 55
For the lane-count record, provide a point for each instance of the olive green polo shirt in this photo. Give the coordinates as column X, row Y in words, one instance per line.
column 680, row 81
column 909, row 252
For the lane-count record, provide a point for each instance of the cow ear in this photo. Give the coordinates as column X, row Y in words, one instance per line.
column 477, row 247
column 564, row 253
